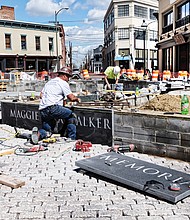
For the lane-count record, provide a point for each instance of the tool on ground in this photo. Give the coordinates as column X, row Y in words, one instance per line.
column 121, row 149
column 174, row 187
column 153, row 184
column 22, row 135
column 49, row 140
column 83, row 146
column 66, row 148
column 8, row 151
column 31, row 149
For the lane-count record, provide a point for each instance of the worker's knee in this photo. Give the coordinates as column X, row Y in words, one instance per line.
column 72, row 119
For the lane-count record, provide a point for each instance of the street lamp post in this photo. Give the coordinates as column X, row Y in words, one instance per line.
column 145, row 25
column 56, row 30
column 144, row 44
column 144, row 50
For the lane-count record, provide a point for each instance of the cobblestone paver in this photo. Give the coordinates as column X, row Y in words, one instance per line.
column 55, row 189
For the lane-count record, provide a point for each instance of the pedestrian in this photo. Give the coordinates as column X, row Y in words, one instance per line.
column 52, row 106
column 112, row 74
column 148, row 73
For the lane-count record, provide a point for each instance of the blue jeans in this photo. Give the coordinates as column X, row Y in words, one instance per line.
column 52, row 113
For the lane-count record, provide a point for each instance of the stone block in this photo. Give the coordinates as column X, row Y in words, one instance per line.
column 163, row 136
column 144, row 134
column 123, row 131
column 161, row 123
column 185, row 140
column 178, row 152
column 134, row 120
column 178, row 125
column 152, row 148
column 149, row 122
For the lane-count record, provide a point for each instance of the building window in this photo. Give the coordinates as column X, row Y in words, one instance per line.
column 183, row 10
column 183, row 14
column 123, row 33
column 123, row 10
column 153, row 54
column 152, row 17
column 140, row 11
column 50, row 44
column 7, row 41
column 109, row 20
column 153, row 35
column 140, row 54
column 139, row 34
column 110, row 38
column 167, row 22
column 37, row 40
column 168, row 19
column 23, row 42
column 112, row 16
column 124, row 52
column 167, row 59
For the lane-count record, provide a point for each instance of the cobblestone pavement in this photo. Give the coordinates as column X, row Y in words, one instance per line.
column 54, row 190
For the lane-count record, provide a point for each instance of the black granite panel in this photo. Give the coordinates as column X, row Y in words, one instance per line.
column 141, row 175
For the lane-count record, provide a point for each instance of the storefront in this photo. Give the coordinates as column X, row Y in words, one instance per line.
column 174, row 53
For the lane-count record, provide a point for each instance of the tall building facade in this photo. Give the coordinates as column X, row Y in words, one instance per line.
column 127, row 42
column 174, row 35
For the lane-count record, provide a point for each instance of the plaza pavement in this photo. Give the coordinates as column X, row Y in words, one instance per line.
column 54, row 189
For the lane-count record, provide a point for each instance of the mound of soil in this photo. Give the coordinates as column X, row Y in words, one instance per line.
column 165, row 103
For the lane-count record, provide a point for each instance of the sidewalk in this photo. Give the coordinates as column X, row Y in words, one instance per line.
column 54, row 189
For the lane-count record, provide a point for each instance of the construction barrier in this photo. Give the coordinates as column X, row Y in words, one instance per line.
column 183, row 75
column 166, row 75
column 133, row 73
column 2, row 75
column 155, row 74
column 129, row 73
column 140, row 74
column 3, row 86
column 44, row 74
column 86, row 74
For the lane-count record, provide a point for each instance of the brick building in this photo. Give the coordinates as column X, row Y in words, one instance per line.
column 7, row 13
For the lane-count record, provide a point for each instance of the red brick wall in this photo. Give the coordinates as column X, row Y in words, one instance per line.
column 7, row 13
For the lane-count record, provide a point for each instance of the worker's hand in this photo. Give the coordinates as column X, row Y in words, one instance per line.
column 79, row 100
column 109, row 87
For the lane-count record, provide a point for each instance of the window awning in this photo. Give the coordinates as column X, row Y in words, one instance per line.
column 119, row 57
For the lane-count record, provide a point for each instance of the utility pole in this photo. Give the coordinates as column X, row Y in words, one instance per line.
column 144, row 25
column 70, row 53
column 87, row 61
column 144, row 51
column 56, row 29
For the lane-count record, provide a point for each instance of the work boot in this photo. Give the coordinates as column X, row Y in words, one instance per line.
column 34, row 136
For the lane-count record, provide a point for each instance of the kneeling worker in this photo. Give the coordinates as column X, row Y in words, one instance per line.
column 51, row 104
column 112, row 75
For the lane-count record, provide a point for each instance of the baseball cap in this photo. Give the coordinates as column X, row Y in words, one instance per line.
column 65, row 70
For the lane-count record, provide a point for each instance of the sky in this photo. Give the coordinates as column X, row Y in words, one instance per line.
column 83, row 21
